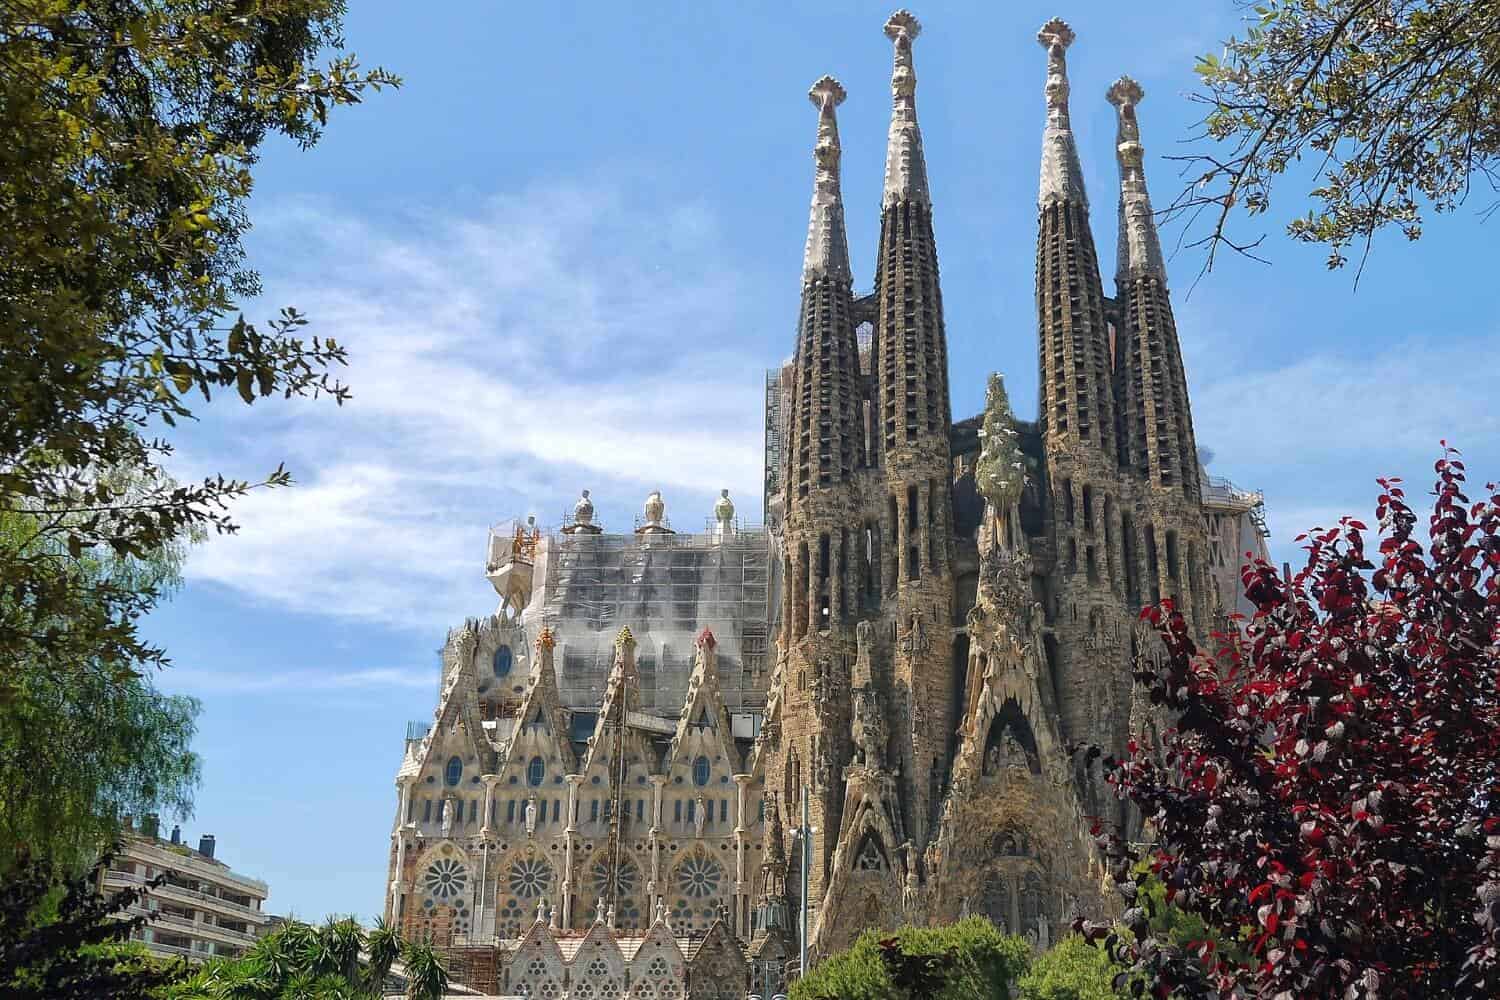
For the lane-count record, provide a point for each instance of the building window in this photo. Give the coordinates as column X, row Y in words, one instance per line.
column 677, row 811
column 473, row 810
column 723, row 810
column 503, row 661
column 640, row 810
column 594, row 811
column 455, row 772
column 556, row 809
column 700, row 771
column 535, row 772
column 510, row 811
column 692, row 810
column 426, row 810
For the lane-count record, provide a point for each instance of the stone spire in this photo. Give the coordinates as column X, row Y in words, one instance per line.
column 1062, row 175
column 905, row 166
column 1156, row 421
column 1077, row 395
column 1140, row 247
column 827, row 433
column 827, row 246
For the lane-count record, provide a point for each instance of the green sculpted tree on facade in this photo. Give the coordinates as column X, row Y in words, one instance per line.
column 1001, row 468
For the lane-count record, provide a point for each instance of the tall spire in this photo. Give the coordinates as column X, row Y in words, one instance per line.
column 905, row 166
column 1062, row 175
column 1156, row 420
column 1077, row 401
column 1140, row 247
column 827, row 246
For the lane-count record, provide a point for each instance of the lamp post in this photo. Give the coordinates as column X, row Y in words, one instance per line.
column 805, row 831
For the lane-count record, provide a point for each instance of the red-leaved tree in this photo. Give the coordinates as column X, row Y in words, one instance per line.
column 1328, row 799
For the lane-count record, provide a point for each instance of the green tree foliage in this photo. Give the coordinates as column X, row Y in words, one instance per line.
column 1389, row 105
column 1072, row 969
column 968, row 960
column 61, row 938
column 114, row 746
column 337, row 961
column 130, row 128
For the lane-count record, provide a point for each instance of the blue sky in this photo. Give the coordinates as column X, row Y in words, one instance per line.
column 563, row 254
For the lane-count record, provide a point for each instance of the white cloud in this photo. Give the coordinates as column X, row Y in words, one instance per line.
column 553, row 340
column 198, row 681
column 1316, row 433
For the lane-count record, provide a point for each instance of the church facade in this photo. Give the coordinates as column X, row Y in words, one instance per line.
column 607, row 802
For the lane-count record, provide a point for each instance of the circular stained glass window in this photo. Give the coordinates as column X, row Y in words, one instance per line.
column 699, row 877
column 445, row 878
column 629, row 876
column 530, row 877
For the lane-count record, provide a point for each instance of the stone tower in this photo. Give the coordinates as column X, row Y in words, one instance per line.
column 1156, row 441
column 1077, row 421
column 824, row 510
column 913, row 424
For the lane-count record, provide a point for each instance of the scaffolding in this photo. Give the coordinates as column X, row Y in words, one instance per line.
column 667, row 587
column 773, row 441
column 1223, row 494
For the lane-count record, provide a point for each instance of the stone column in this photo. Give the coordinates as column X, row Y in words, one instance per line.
column 742, row 784
column 489, row 799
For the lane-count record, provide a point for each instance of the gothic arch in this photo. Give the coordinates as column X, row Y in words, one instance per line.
column 871, row 855
column 1010, row 735
column 697, row 887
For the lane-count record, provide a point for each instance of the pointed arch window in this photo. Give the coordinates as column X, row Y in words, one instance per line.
column 700, row 771
column 504, row 659
column 454, row 772
column 536, row 771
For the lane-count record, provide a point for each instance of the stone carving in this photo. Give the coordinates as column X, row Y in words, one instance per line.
column 827, row 250
column 915, row 641
column 868, row 729
column 531, row 816
column 450, row 805
column 698, row 818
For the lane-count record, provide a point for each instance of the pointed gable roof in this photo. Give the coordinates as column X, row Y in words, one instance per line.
column 458, row 703
column 703, row 708
column 622, row 696
column 542, row 704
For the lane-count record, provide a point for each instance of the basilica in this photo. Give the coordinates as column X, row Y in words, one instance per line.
column 669, row 742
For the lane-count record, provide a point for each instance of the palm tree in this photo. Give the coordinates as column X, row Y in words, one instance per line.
column 426, row 979
column 384, row 947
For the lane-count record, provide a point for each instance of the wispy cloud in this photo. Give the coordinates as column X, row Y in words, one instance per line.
column 1315, row 433
column 500, row 361
column 198, row 681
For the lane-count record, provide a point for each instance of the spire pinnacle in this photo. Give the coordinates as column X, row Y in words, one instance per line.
column 827, row 245
column 1062, row 175
column 1140, row 246
column 905, row 166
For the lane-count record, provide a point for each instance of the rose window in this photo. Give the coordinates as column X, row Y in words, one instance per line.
column 530, row 877
column 699, row 877
column 510, row 919
column 445, row 878
column 625, row 879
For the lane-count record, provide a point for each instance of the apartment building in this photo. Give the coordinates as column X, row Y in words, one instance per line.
column 202, row 908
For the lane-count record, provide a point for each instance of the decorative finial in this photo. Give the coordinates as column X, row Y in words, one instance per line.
column 583, row 510
column 624, row 638
column 545, row 640
column 827, row 251
column 706, row 638
column 903, row 22
column 1140, row 245
column 1056, row 32
column 1062, row 175
column 826, row 94
column 905, row 165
